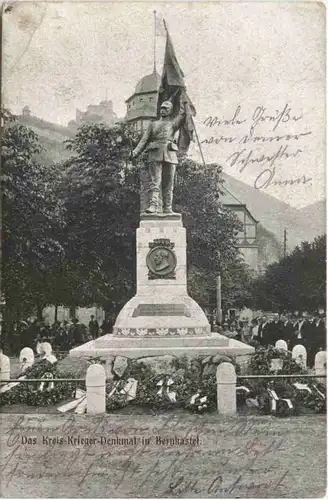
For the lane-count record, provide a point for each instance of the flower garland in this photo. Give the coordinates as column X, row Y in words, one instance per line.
column 181, row 387
column 282, row 397
column 39, row 393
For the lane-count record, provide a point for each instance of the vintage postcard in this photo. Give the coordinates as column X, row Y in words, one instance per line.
column 163, row 299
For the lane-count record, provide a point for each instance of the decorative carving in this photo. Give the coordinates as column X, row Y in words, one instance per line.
column 162, row 332
column 161, row 260
column 162, row 242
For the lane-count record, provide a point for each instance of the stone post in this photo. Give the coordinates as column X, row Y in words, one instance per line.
column 320, row 365
column 226, row 388
column 4, row 366
column 26, row 359
column 96, row 389
column 299, row 354
column 281, row 344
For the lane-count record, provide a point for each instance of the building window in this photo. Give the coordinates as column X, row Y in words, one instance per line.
column 141, row 99
column 150, row 98
column 247, row 235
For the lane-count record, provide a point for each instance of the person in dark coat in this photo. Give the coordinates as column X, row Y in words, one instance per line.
column 264, row 331
column 276, row 331
column 65, row 336
column 320, row 334
column 74, row 333
column 93, row 327
column 288, row 331
column 310, row 341
column 316, row 339
column 306, row 330
column 303, row 329
column 106, row 327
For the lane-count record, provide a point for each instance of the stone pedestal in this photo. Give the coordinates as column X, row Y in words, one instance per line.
column 161, row 318
column 161, row 305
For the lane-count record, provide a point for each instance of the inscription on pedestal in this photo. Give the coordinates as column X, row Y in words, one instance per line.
column 161, row 310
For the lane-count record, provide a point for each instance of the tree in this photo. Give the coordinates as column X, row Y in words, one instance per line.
column 31, row 219
column 297, row 282
column 237, row 286
column 211, row 229
column 100, row 193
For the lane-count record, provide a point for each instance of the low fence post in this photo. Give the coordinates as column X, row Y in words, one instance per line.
column 4, row 366
column 96, row 389
column 226, row 389
column 26, row 358
column 320, row 365
column 299, row 354
column 281, row 344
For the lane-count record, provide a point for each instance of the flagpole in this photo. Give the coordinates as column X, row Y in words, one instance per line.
column 198, row 141
column 154, row 41
column 192, row 120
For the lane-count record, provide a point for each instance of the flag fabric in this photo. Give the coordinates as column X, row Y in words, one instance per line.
column 173, row 88
column 171, row 69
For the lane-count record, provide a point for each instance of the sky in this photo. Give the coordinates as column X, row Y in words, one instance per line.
column 265, row 59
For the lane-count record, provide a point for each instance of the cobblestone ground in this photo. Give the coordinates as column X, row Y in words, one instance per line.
column 172, row 455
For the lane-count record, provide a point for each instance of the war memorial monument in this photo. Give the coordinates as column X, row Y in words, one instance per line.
column 162, row 318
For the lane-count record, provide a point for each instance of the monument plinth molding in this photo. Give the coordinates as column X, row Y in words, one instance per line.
column 161, row 318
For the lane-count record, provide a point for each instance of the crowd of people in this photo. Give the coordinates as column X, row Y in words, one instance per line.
column 62, row 335
column 308, row 330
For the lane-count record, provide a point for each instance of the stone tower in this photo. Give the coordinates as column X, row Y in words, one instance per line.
column 142, row 104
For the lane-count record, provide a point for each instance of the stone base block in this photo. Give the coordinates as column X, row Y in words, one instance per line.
column 110, row 345
column 163, row 342
column 161, row 315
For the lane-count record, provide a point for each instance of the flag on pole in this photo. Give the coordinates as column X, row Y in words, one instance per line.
column 173, row 88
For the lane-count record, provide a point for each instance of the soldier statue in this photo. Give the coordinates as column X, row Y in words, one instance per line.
column 158, row 141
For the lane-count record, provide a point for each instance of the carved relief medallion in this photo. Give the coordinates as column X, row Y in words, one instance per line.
column 161, row 259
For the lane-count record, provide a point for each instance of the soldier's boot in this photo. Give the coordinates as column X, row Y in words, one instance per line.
column 153, row 204
column 167, row 203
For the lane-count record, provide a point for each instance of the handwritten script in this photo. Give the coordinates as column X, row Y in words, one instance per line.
column 261, row 139
column 171, row 456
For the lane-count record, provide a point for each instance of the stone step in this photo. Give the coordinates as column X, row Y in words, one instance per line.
column 133, row 349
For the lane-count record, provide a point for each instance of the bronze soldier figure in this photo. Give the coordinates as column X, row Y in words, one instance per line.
column 158, row 142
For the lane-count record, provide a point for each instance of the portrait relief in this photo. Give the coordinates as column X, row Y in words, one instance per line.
column 163, row 254
column 161, row 262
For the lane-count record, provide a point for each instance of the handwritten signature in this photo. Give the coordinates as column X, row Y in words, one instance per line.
column 148, row 468
column 266, row 179
column 216, row 485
